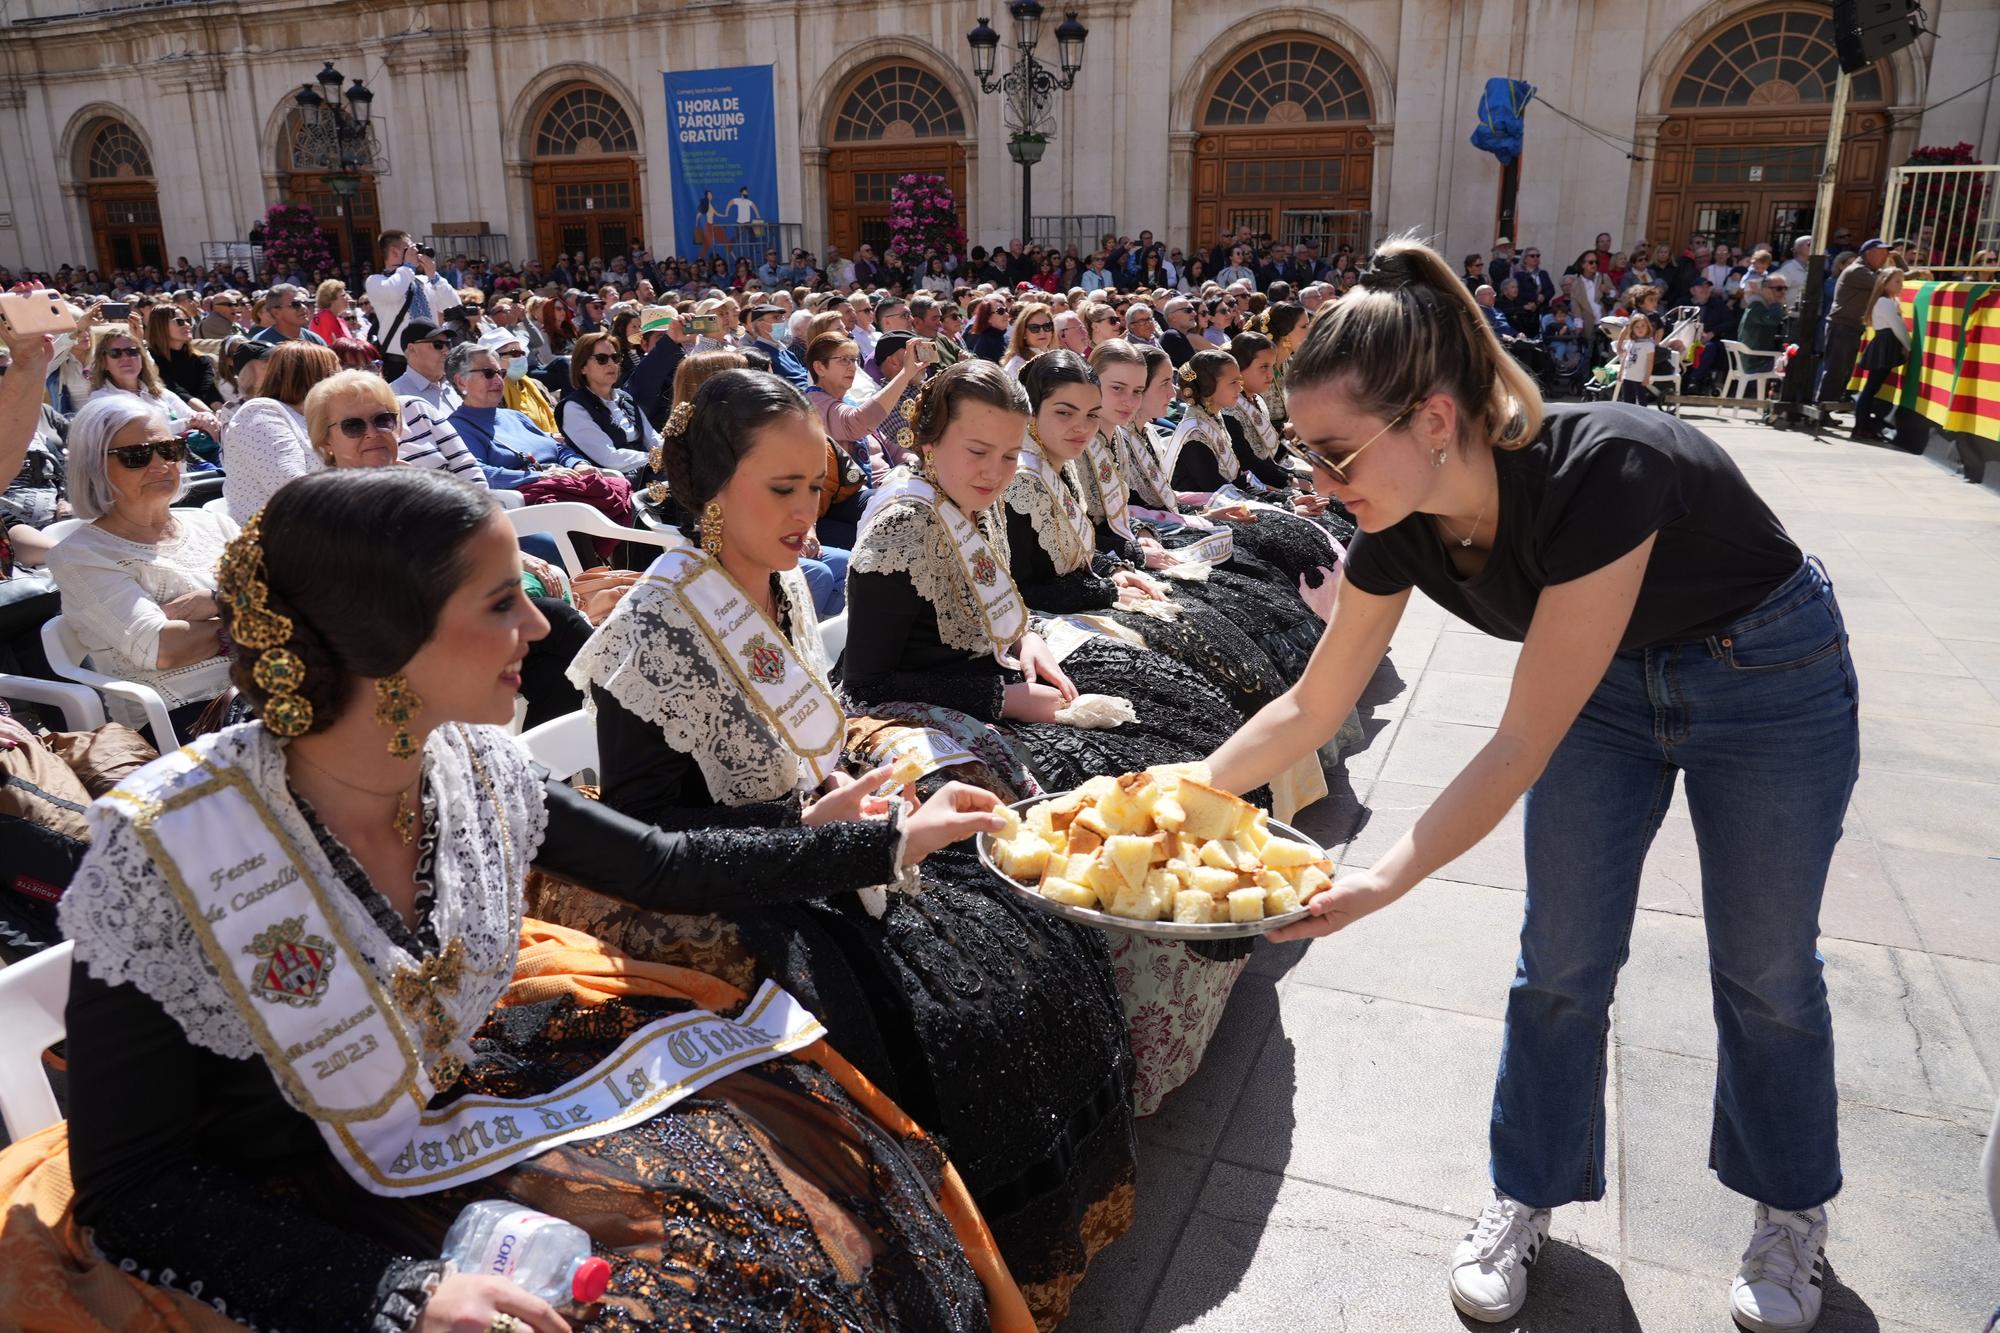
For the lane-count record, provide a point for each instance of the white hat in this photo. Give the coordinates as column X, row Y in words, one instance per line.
column 496, row 340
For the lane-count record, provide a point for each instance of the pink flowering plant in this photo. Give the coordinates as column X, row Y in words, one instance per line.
column 923, row 216
column 294, row 243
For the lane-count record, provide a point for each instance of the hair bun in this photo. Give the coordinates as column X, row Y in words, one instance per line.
column 1388, row 272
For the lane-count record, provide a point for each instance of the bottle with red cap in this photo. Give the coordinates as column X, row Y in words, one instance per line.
column 539, row 1253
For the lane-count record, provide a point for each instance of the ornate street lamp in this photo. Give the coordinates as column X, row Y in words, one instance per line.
column 1028, row 86
column 337, row 136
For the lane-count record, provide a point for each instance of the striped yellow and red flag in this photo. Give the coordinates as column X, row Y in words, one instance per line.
column 1952, row 377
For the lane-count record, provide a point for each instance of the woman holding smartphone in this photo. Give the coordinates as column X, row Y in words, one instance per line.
column 1669, row 627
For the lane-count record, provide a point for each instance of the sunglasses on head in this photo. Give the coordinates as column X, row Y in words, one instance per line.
column 136, row 456
column 355, row 428
column 1338, row 467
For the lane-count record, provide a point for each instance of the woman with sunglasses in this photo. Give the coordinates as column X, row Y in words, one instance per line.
column 138, row 580
column 598, row 418
column 119, row 363
column 1670, row 628
column 1034, row 333
column 170, row 338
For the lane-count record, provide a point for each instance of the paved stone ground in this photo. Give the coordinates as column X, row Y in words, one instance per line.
column 1317, row 1171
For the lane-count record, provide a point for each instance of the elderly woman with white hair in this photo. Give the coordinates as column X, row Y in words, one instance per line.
column 138, row 580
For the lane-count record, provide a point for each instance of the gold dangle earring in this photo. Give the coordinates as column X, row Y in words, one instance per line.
column 395, row 704
column 926, row 468
column 711, row 529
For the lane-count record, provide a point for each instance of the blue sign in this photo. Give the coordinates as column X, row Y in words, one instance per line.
column 723, row 156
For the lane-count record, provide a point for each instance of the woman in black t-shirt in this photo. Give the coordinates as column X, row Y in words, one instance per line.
column 1669, row 627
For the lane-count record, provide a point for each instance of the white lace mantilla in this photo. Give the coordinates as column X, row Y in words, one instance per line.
column 652, row 657
column 909, row 537
column 1254, row 416
column 489, row 817
column 1047, row 496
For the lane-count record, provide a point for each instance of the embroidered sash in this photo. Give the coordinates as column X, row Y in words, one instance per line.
column 1255, row 416
column 1151, row 473
column 1072, row 541
column 1107, row 495
column 1001, row 611
column 1201, row 426
column 796, row 706
column 344, row 1047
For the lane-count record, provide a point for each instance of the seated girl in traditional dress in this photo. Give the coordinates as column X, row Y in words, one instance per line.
column 936, row 625
column 994, row 1025
column 287, row 1073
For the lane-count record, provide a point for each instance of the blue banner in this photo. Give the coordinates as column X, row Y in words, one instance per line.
column 723, row 156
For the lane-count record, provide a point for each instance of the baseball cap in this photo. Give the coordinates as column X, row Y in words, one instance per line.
column 658, row 318
column 889, row 344
column 422, row 331
column 1873, row 243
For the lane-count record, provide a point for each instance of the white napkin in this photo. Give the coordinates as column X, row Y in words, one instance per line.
column 1096, row 712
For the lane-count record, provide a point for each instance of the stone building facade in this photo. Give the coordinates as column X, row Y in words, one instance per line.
column 135, row 132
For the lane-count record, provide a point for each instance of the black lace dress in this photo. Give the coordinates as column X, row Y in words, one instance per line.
column 768, row 1200
column 995, row 1027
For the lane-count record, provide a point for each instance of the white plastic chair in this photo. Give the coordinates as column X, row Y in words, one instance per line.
column 833, row 636
column 61, row 528
column 1742, row 383
column 565, row 517
column 82, row 710
column 32, row 995
column 126, row 701
column 565, row 745
column 219, row 505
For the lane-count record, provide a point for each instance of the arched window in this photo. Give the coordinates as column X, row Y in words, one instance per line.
column 1287, row 81
column 116, row 153
column 1784, row 58
column 898, row 102
column 584, row 121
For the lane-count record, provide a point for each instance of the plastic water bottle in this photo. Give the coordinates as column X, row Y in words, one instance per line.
column 539, row 1253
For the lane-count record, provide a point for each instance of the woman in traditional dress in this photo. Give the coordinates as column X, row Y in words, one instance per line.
column 936, row 625
column 286, row 1073
column 992, row 1024
column 1259, row 450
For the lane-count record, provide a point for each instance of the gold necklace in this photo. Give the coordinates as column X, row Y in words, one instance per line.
column 403, row 823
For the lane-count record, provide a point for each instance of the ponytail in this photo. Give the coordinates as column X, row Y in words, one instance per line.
column 1410, row 329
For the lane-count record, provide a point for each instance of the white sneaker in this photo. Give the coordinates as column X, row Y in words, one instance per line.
column 1489, row 1270
column 1778, row 1287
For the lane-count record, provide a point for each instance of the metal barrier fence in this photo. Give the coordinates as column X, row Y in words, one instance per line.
column 489, row 246
column 1951, row 215
column 1083, row 230
column 749, row 240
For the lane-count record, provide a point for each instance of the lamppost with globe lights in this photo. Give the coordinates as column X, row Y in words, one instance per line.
column 1028, row 86
column 339, row 140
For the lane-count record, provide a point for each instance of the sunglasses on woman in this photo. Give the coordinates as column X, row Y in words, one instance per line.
column 1042, row 326
column 1339, row 468
column 603, row 359
column 355, row 428
column 136, row 456
column 122, row 353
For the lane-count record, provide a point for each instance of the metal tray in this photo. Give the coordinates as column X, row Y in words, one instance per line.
column 1124, row 925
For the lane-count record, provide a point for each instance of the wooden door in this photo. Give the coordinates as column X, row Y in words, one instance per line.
column 858, row 182
column 587, row 205
column 125, row 224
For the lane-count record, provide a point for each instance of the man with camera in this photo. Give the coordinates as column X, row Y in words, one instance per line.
column 408, row 290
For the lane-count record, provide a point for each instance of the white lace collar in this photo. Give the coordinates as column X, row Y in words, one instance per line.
column 1047, row 495
column 488, row 814
column 652, row 657
column 1254, row 415
column 1205, row 428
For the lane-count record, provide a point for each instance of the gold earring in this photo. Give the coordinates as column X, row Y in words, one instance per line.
column 926, row 468
column 395, row 704
column 711, row 528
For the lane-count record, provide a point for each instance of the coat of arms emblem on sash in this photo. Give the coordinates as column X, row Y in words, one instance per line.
column 983, row 569
column 765, row 660
column 292, row 966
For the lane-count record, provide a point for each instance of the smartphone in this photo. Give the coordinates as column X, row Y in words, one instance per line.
column 29, row 313
column 706, row 326
column 113, row 311
column 925, row 351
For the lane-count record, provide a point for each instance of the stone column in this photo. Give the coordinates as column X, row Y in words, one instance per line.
column 1639, row 191
column 1180, row 191
column 1384, row 136
column 812, row 201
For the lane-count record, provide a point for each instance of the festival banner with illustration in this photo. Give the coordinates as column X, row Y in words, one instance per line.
column 723, row 160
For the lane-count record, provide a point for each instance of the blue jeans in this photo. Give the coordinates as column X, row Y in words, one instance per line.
column 1761, row 720
column 826, row 575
